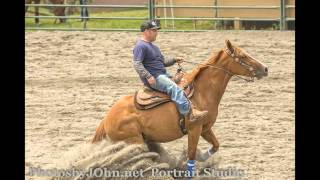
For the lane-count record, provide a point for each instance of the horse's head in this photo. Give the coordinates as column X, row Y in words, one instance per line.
column 241, row 63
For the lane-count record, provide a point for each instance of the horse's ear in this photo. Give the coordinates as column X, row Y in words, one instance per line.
column 229, row 45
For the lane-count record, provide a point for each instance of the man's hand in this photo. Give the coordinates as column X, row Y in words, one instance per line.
column 151, row 80
column 179, row 60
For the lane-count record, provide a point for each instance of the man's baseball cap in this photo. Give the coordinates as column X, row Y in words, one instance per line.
column 149, row 25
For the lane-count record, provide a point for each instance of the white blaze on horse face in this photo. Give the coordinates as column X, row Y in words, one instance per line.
column 260, row 68
column 252, row 58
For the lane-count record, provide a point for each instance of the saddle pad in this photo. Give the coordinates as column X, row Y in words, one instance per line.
column 147, row 98
column 146, row 95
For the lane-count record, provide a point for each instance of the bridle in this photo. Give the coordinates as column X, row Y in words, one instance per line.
column 236, row 59
column 241, row 62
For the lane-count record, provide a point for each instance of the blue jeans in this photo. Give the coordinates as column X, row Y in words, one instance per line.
column 166, row 85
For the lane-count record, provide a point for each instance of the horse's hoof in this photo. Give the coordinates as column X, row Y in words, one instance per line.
column 191, row 168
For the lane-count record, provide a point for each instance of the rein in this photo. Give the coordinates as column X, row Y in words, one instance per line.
column 220, row 68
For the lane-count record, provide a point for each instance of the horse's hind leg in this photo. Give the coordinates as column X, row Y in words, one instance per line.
column 164, row 155
column 36, row 11
column 37, row 14
column 25, row 9
column 135, row 140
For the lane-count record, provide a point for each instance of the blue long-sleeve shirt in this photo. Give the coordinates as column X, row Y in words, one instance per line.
column 148, row 61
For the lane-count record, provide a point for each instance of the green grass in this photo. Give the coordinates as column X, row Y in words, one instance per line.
column 94, row 23
column 188, row 24
column 126, row 24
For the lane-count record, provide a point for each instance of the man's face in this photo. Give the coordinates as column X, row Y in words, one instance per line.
column 152, row 34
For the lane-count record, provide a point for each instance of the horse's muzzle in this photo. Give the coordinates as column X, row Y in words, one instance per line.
column 261, row 72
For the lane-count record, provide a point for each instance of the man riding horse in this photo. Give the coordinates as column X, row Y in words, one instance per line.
column 127, row 121
column 150, row 65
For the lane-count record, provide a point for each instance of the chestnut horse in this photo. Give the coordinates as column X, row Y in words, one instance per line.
column 57, row 11
column 125, row 122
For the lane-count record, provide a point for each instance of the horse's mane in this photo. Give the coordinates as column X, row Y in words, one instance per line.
column 196, row 71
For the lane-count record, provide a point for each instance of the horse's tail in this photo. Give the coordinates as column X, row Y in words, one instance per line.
column 100, row 133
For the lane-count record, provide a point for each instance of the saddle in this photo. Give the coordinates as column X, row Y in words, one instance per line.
column 147, row 98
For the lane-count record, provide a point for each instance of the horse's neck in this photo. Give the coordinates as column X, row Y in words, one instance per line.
column 210, row 86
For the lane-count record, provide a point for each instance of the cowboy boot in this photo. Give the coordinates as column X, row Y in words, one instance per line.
column 195, row 115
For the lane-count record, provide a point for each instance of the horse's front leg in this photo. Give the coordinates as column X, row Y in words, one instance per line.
column 211, row 138
column 194, row 132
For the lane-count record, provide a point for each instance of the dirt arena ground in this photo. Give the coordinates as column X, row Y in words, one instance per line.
column 73, row 78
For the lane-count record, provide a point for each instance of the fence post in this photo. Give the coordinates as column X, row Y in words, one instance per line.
column 151, row 9
column 283, row 15
column 237, row 23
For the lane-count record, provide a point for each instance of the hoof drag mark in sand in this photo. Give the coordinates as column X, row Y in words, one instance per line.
column 123, row 157
column 119, row 157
